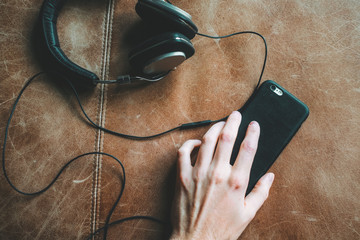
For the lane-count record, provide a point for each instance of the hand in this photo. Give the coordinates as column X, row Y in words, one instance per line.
column 210, row 200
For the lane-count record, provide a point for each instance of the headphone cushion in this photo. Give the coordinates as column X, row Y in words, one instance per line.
column 162, row 44
column 166, row 16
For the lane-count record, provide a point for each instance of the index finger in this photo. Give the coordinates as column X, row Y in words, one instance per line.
column 227, row 139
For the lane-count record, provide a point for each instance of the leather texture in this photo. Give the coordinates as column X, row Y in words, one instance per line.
column 313, row 53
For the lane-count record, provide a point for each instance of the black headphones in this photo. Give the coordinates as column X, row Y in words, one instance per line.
column 152, row 60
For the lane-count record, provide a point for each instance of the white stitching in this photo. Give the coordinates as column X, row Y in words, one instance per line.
column 105, row 59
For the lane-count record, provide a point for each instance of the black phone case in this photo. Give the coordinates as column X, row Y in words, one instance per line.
column 279, row 117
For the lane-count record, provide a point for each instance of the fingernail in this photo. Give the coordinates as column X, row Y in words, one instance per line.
column 270, row 177
column 254, row 123
column 235, row 113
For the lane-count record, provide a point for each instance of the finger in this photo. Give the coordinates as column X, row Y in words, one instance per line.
column 206, row 151
column 256, row 198
column 227, row 139
column 184, row 153
column 247, row 152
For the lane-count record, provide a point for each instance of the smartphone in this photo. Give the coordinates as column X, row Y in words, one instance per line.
column 280, row 115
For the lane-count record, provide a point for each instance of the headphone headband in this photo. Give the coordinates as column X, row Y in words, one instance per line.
column 58, row 60
column 155, row 57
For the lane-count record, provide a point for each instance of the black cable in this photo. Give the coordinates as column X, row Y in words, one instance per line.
column 107, row 221
column 183, row 126
column 238, row 33
column 105, row 227
column 5, row 140
column 186, row 125
column 245, row 32
column 107, row 224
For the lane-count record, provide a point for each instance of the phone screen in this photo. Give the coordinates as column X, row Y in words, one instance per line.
column 280, row 115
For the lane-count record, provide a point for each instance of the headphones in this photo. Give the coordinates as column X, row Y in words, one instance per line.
column 152, row 59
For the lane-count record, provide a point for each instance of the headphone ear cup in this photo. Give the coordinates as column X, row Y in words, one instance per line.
column 161, row 53
column 166, row 16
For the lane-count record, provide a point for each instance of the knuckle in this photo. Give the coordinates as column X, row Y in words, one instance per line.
column 237, row 182
column 185, row 148
column 184, row 180
column 248, row 147
column 181, row 152
column 207, row 139
column 217, row 177
column 226, row 137
column 199, row 175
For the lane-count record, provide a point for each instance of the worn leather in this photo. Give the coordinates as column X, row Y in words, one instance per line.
column 313, row 53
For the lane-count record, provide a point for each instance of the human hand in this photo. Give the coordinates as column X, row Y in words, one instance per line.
column 210, row 200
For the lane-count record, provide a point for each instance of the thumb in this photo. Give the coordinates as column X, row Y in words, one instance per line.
column 256, row 198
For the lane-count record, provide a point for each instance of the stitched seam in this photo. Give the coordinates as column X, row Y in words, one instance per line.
column 96, row 190
column 93, row 224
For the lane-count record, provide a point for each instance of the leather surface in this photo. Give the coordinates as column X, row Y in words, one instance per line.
column 47, row 129
column 313, row 53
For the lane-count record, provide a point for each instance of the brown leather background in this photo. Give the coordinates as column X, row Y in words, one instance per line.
column 314, row 52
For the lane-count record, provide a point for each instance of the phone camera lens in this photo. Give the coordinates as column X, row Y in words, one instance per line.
column 276, row 90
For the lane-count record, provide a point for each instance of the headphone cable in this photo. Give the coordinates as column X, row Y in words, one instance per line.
column 186, row 125
column 107, row 222
column 245, row 32
column 183, row 126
